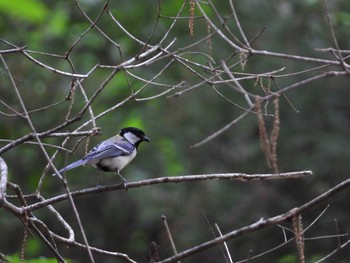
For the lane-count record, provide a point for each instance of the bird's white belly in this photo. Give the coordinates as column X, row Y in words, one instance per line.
column 117, row 163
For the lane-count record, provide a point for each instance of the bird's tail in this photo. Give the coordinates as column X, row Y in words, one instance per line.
column 71, row 166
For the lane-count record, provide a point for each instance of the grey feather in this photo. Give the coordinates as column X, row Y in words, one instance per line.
column 107, row 149
column 71, row 166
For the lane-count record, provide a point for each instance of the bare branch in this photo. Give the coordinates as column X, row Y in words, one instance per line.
column 225, row 128
column 262, row 223
column 3, row 180
column 216, row 55
column 339, row 57
column 169, row 235
column 173, row 179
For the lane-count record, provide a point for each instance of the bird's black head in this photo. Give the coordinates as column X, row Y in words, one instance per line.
column 134, row 135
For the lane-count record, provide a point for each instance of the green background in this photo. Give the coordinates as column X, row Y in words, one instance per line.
column 315, row 138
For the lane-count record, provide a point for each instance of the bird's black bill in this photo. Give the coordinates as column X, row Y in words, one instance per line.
column 146, row 139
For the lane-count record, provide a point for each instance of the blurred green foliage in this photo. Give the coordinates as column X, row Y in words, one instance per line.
column 31, row 11
column 316, row 138
column 17, row 259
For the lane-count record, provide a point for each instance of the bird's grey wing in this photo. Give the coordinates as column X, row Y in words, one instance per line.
column 71, row 166
column 109, row 150
column 106, row 149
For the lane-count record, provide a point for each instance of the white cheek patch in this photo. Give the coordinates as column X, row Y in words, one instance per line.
column 132, row 138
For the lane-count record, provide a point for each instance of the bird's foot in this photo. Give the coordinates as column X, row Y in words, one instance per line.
column 98, row 178
column 125, row 185
column 125, row 182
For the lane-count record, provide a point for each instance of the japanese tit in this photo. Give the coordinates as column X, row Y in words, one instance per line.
column 114, row 154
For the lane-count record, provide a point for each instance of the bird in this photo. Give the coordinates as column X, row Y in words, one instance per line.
column 113, row 154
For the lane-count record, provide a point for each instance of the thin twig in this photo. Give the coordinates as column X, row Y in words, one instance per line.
column 225, row 244
column 223, row 129
column 169, row 235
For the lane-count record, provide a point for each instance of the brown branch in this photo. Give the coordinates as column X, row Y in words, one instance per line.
column 262, row 223
column 299, row 239
column 264, row 139
column 335, row 41
column 172, row 243
column 172, row 179
column 274, row 135
column 286, row 240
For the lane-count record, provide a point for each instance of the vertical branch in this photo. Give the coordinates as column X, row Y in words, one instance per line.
column 229, row 258
column 274, row 135
column 209, row 33
column 264, row 140
column 239, row 24
column 154, row 252
column 269, row 145
column 3, row 180
column 24, row 241
column 339, row 55
column 191, row 21
column 299, row 240
column 170, row 236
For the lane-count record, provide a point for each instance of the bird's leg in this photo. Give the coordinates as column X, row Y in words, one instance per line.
column 98, row 177
column 125, row 182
